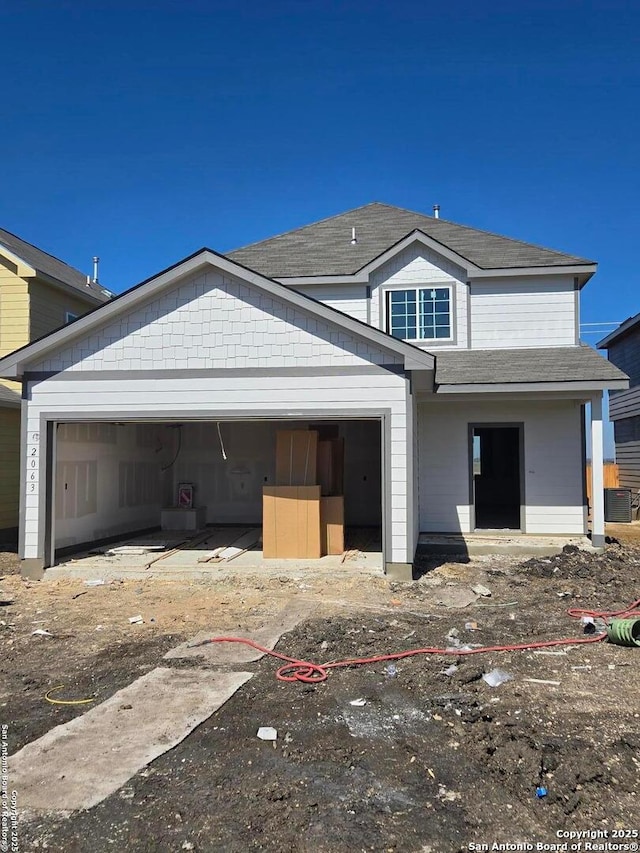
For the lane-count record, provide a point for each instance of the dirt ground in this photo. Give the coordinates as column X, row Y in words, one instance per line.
column 431, row 762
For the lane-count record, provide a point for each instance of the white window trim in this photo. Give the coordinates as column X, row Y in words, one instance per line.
column 417, row 287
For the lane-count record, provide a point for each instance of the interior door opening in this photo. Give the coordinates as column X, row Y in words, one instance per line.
column 496, row 453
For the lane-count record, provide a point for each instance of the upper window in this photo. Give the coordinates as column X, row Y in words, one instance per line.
column 422, row 313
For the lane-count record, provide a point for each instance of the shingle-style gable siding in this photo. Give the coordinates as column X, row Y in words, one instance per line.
column 213, row 321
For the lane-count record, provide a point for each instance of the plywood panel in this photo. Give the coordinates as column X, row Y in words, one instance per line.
column 332, row 525
column 291, row 522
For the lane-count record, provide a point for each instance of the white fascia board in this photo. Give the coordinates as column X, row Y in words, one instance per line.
column 295, row 281
column 12, row 365
column 24, row 270
column 585, row 271
column 420, row 237
column 518, row 387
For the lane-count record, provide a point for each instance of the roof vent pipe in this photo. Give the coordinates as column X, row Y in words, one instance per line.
column 96, row 261
column 436, row 211
column 354, row 239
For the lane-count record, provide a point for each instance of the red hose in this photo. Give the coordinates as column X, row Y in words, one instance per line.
column 313, row 673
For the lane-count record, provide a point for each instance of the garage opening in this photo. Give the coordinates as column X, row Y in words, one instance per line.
column 496, row 460
column 200, row 483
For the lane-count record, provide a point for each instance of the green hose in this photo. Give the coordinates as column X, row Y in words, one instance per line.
column 624, row 632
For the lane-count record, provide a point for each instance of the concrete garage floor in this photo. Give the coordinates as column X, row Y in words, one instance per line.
column 173, row 555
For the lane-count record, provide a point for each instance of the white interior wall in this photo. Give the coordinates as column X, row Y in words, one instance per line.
column 231, row 489
column 106, row 473
column 108, row 479
column 552, row 463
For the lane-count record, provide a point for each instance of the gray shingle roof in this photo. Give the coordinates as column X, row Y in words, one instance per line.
column 324, row 248
column 51, row 266
column 8, row 397
column 553, row 364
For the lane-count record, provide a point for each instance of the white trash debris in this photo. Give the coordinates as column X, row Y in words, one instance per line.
column 40, row 632
column 450, row 670
column 96, row 582
column 136, row 620
column 479, row 589
column 496, row 677
column 358, row 703
column 267, row 733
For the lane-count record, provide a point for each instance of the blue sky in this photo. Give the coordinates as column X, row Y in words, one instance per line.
column 143, row 131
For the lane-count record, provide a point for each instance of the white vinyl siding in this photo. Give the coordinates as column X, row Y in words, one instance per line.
column 507, row 313
column 351, row 299
column 552, row 463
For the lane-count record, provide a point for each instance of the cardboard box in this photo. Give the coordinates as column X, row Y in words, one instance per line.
column 296, row 457
column 331, row 466
column 332, row 525
column 291, row 522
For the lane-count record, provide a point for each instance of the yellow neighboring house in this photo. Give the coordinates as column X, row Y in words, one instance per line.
column 38, row 293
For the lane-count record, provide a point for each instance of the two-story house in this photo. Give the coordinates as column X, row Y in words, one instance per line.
column 623, row 345
column 38, row 293
column 447, row 358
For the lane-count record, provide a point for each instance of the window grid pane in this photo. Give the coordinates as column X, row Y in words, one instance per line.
column 434, row 312
column 423, row 313
column 403, row 314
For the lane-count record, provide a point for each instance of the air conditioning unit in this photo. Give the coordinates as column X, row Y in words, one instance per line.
column 617, row 505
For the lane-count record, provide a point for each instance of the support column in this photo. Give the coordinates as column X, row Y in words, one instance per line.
column 597, row 473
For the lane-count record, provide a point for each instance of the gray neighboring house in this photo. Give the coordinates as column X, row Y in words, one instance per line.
column 447, row 358
column 623, row 348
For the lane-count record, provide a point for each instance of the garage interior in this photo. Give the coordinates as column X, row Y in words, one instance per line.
column 191, row 492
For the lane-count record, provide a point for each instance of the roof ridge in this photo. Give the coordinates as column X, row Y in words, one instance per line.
column 303, row 227
column 37, row 248
column 435, row 226
column 439, row 219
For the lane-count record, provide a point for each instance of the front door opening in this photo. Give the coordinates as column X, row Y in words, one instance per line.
column 496, row 460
